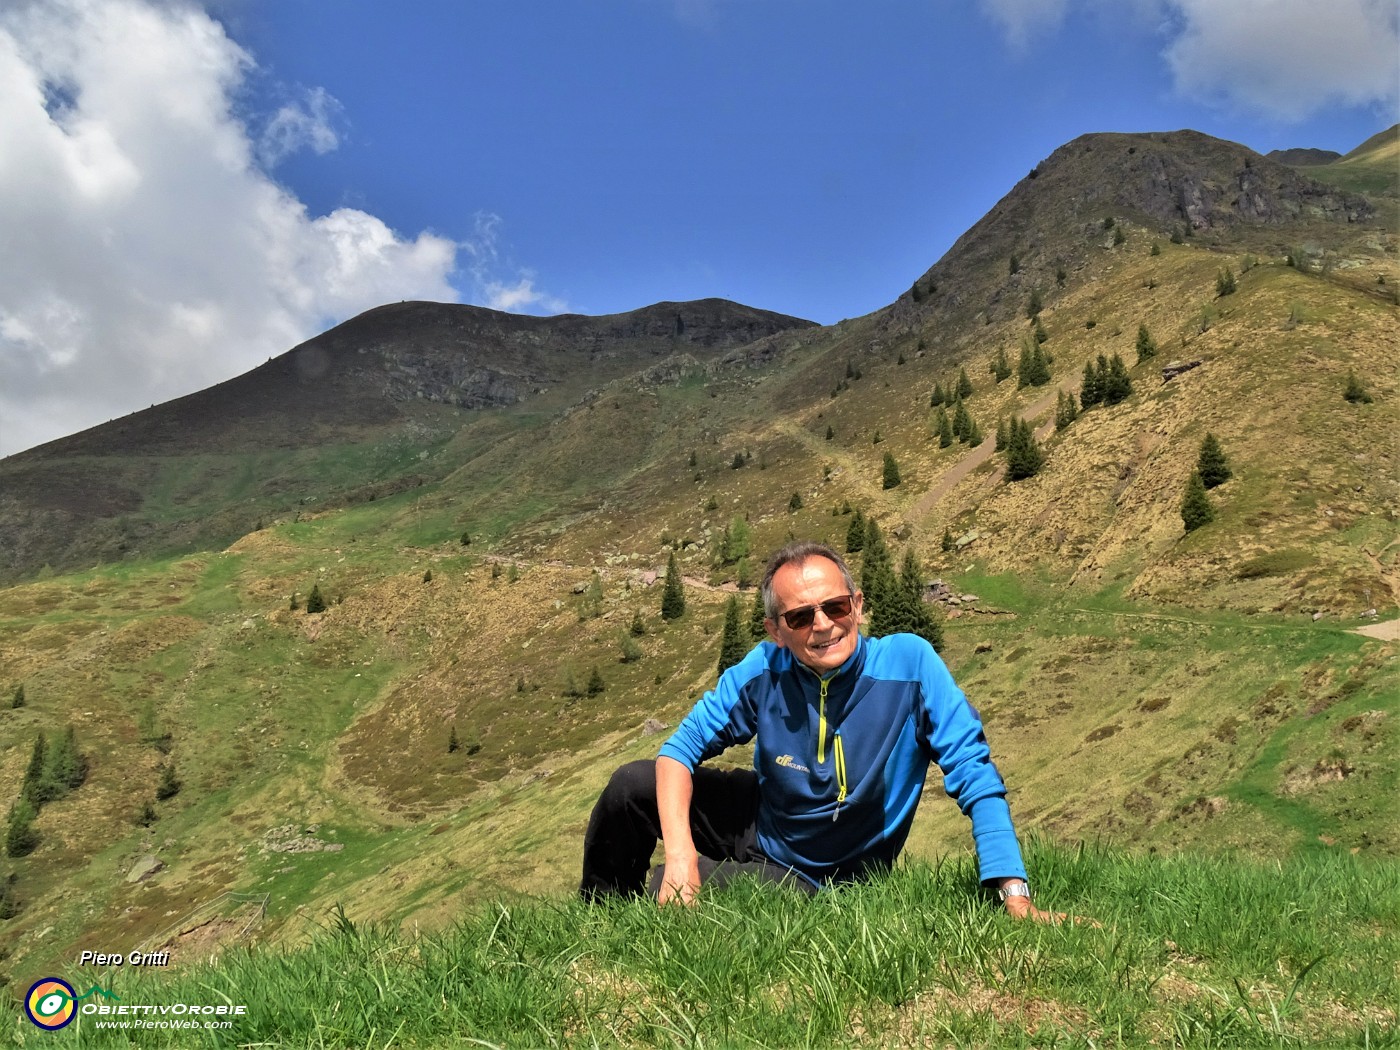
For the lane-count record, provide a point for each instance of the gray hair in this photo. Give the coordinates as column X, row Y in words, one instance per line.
column 799, row 551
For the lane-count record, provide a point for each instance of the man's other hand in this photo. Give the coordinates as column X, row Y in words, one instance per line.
column 1022, row 908
column 680, row 881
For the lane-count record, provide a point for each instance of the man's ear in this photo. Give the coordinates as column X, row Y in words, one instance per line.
column 771, row 626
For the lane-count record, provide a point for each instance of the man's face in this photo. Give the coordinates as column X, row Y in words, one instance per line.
column 827, row 643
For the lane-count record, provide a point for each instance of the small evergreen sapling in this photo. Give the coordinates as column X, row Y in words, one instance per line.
column 855, row 533
column 891, row 472
column 757, row 632
column 1195, row 504
column 1355, row 392
column 673, row 593
column 20, row 835
column 595, row 681
column 1211, row 463
column 964, row 384
column 944, row 427
column 1145, row 346
column 734, row 642
column 1065, row 410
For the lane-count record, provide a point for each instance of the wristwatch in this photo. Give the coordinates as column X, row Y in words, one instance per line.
column 1014, row 888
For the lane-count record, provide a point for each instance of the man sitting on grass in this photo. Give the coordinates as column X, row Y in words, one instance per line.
column 846, row 728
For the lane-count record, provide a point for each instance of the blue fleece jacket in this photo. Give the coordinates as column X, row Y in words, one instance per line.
column 841, row 760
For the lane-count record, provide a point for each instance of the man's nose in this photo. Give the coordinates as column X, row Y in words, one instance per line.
column 820, row 620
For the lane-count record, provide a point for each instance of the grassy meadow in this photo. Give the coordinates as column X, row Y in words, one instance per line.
column 1187, row 952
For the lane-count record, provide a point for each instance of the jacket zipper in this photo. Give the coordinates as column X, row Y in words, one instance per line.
column 838, row 751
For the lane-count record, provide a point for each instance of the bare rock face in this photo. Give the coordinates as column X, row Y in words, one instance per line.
column 144, row 868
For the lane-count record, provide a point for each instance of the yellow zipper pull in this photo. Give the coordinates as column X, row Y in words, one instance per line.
column 821, row 722
column 840, row 753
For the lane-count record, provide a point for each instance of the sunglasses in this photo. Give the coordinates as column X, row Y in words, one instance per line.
column 832, row 609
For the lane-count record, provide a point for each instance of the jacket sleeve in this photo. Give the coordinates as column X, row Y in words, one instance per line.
column 725, row 716
column 952, row 731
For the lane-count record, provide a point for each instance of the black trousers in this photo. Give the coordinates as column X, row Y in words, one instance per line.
column 625, row 826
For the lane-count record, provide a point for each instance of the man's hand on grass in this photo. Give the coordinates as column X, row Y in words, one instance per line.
column 680, row 880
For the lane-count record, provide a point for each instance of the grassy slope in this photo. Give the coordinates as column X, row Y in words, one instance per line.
column 1156, row 690
column 1189, row 952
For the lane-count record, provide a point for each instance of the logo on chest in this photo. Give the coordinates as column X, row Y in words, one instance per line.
column 788, row 762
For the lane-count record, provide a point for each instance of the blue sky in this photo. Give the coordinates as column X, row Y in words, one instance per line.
column 193, row 189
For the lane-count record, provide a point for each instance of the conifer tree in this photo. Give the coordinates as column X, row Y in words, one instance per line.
column 315, row 603
column 962, row 422
column 1065, row 411
column 964, row 384
column 757, row 615
column 945, row 429
column 1023, row 456
column 639, row 626
column 1355, row 392
column 733, row 643
column 1090, row 393
column 795, row 503
column 1145, row 346
column 1118, row 386
column 949, row 544
column 1003, row 435
column 1225, row 283
column 938, row 396
column 673, row 593
column 877, row 579
column 595, row 682
column 591, row 606
column 829, row 432
column 1033, row 304
column 974, row 433
column 17, row 700
column 1032, row 369
column 453, row 744
column 855, row 533
column 32, row 787
column 738, row 540
column 1001, row 367
column 1024, row 367
column 9, row 903
column 1211, row 463
column 743, row 573
column 891, row 472
column 169, row 784
column 65, row 769
column 20, row 836
column 1040, row 366
column 1195, row 504
column 631, row 651
column 1041, row 335
column 916, row 612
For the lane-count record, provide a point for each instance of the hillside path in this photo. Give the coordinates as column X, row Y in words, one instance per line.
column 981, row 454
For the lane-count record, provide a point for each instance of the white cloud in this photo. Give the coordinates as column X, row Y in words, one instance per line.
column 1284, row 60
column 1287, row 59
column 513, row 295
column 1021, row 19
column 144, row 251
column 301, row 125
